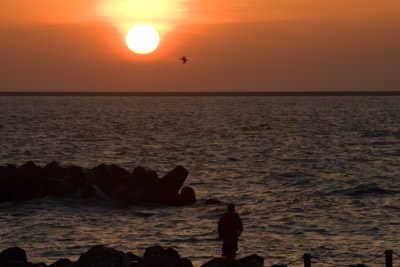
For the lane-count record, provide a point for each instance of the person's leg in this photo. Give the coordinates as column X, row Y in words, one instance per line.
column 233, row 253
column 225, row 249
column 230, row 247
column 224, row 252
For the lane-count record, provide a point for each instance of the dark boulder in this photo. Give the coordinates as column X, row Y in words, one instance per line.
column 73, row 169
column 55, row 186
column 28, row 169
column 159, row 251
column 174, row 180
column 116, row 171
column 249, row 261
column 139, row 171
column 98, row 176
column 145, row 186
column 35, row 188
column 222, row 262
column 77, row 180
column 13, row 254
column 87, row 191
column 188, row 194
column 165, row 262
column 100, row 256
column 7, row 171
column 99, row 173
column 12, row 189
column 160, row 257
column 166, row 189
column 170, row 252
column 20, row 188
column 54, row 170
column 154, row 251
column 252, row 261
column 108, row 178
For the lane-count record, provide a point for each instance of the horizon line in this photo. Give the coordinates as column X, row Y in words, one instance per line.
column 204, row 93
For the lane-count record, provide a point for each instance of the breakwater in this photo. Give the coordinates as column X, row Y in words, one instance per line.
column 30, row 181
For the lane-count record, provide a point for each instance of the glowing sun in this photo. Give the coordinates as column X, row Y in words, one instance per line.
column 142, row 39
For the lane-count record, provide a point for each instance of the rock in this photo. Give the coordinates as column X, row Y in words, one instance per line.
column 158, row 262
column 108, row 178
column 145, row 186
column 7, row 171
column 154, row 251
column 252, row 261
column 77, row 180
column 99, row 175
column 88, row 191
column 174, row 180
column 14, row 257
column 28, row 169
column 170, row 252
column 100, row 256
column 61, row 263
column 249, row 261
column 12, row 189
column 139, row 171
column 54, row 170
column 15, row 188
column 212, row 201
column 13, row 254
column 56, row 187
column 35, row 188
column 222, row 262
column 157, row 256
column 165, row 262
column 188, row 194
column 164, row 190
column 73, row 169
column 117, row 171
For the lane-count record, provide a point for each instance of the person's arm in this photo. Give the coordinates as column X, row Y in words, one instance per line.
column 240, row 224
column 221, row 224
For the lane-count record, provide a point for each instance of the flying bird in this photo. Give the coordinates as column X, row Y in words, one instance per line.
column 184, row 59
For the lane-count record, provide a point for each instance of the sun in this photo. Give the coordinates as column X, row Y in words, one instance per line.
column 142, row 39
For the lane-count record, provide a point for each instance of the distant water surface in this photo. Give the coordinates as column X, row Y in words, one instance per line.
column 316, row 175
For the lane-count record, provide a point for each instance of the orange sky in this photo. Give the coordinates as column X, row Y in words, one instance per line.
column 232, row 45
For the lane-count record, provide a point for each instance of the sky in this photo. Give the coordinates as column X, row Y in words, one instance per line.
column 231, row 45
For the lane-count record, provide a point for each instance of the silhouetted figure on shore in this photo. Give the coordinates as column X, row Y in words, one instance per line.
column 230, row 227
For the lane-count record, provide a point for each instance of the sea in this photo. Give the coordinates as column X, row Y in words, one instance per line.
column 308, row 174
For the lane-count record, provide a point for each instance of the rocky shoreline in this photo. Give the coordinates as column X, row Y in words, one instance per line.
column 101, row 256
column 29, row 181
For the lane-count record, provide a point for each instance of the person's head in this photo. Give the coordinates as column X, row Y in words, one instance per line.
column 231, row 207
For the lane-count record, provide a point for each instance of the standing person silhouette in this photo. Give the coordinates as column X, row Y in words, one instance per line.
column 230, row 227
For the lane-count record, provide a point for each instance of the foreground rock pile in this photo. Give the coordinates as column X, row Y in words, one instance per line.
column 101, row 256
column 30, row 181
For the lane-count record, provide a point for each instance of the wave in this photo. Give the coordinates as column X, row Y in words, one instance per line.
column 365, row 190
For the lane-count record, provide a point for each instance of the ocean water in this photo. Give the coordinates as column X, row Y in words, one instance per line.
column 317, row 175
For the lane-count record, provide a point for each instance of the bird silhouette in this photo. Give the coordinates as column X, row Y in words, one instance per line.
column 184, row 59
